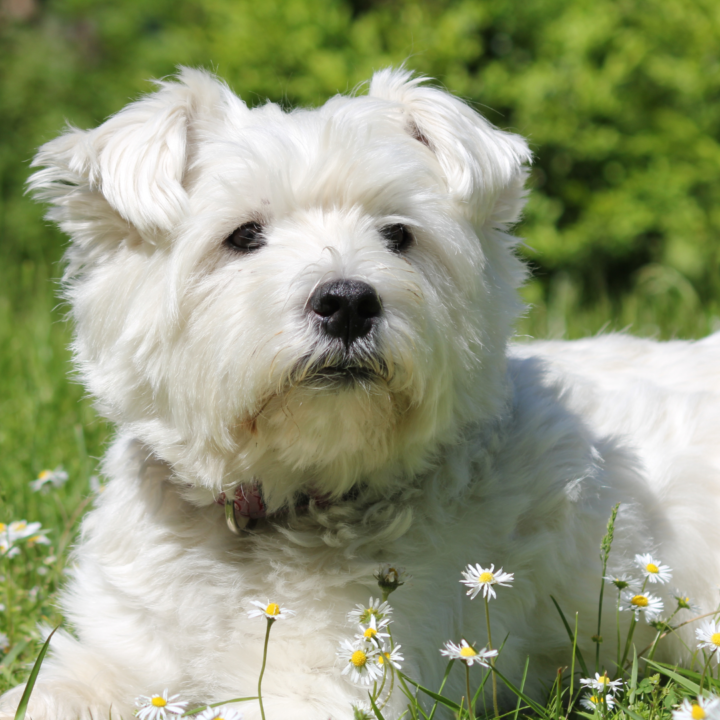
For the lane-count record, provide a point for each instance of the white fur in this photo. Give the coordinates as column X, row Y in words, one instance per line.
column 463, row 450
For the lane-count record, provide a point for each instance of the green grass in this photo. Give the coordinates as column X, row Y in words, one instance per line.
column 46, row 421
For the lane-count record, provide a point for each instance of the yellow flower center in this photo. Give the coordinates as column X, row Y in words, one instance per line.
column 486, row 577
column 596, row 700
column 604, row 680
column 159, row 702
column 44, row 475
column 370, row 633
column 272, row 609
column 382, row 657
column 652, row 568
column 715, row 639
column 358, row 658
column 467, row 651
column 697, row 712
column 3, row 527
column 639, row 601
column 20, row 525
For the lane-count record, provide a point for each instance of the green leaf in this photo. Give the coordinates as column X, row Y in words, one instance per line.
column 679, row 679
column 629, row 712
column 25, row 699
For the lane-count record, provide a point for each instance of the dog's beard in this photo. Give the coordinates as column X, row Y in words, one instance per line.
column 336, row 368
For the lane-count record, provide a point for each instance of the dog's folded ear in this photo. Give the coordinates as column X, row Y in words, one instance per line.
column 483, row 166
column 134, row 162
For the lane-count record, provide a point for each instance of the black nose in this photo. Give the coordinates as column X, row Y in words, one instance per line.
column 348, row 308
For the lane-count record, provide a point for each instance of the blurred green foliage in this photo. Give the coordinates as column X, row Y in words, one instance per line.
column 620, row 100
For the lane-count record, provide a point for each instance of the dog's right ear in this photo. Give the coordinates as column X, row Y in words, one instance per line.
column 131, row 168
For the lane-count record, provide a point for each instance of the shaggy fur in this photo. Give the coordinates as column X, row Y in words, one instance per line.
column 448, row 447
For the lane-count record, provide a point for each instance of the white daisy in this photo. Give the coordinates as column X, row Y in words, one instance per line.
column 603, row 684
column 684, row 602
column 702, row 709
column 478, row 579
column 38, row 539
column 360, row 662
column 623, row 581
column 373, row 631
column 362, row 613
column 362, row 711
column 159, row 707
column 467, row 653
column 649, row 605
column 596, row 700
column 708, row 635
column 270, row 610
column 393, row 657
column 653, row 569
column 224, row 712
column 4, row 641
column 21, row 529
column 7, row 547
column 95, row 485
column 55, row 478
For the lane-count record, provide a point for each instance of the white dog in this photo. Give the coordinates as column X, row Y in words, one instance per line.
column 309, row 311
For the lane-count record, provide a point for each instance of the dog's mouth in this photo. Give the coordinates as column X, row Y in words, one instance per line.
column 328, row 373
column 343, row 375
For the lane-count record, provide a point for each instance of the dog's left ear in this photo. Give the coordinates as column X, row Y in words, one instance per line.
column 134, row 162
column 483, row 166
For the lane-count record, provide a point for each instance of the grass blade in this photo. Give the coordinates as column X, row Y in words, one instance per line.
column 522, row 687
column 435, row 696
column 535, row 706
column 573, row 639
column 30, row 685
column 16, row 650
column 375, row 708
column 442, row 685
column 633, row 676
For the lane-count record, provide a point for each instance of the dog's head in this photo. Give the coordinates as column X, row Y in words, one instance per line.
column 314, row 298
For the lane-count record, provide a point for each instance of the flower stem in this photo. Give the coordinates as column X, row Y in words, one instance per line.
column 270, row 622
column 392, row 686
column 617, row 627
column 605, row 547
column 702, row 677
column 633, row 623
column 471, row 709
column 492, row 660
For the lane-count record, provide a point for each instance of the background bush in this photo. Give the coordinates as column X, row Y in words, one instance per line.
column 620, row 100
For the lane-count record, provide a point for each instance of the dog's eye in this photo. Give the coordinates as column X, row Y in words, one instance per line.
column 398, row 237
column 247, row 237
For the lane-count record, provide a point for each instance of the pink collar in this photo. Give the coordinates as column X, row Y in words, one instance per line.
column 247, row 507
